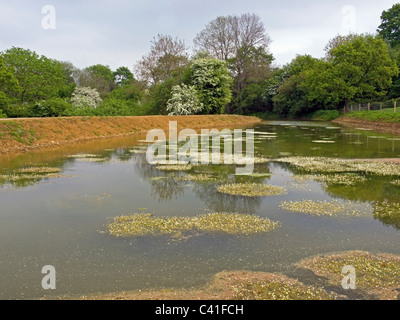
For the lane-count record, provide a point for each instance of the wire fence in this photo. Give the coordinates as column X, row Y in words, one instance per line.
column 369, row 106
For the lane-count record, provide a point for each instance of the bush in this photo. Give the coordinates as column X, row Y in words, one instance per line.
column 53, row 107
column 184, row 101
column 325, row 115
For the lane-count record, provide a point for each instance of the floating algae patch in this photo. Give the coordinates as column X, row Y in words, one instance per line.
column 201, row 177
column 39, row 170
column 395, row 182
column 175, row 167
column 229, row 223
column 334, row 165
column 388, row 213
column 324, row 141
column 280, row 287
column 252, row 190
column 348, row 179
column 325, row 208
column 377, row 275
column 86, row 157
column 29, row 176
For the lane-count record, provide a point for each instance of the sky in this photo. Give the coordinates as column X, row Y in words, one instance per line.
column 119, row 32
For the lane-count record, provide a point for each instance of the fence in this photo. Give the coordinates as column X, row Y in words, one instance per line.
column 374, row 106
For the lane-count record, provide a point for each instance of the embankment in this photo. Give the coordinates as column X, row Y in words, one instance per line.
column 378, row 125
column 23, row 135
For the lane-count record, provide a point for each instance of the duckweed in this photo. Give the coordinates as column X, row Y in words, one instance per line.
column 252, row 190
column 229, row 223
column 324, row 208
column 378, row 275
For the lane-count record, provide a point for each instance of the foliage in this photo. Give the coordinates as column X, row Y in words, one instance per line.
column 387, row 115
column 122, row 76
column 53, row 107
column 167, row 55
column 184, row 101
column 361, row 68
column 84, row 97
column 241, row 41
column 212, row 81
column 39, row 77
column 98, row 77
column 390, row 25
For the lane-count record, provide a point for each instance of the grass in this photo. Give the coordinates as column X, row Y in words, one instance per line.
column 17, row 132
column 179, row 227
column 386, row 115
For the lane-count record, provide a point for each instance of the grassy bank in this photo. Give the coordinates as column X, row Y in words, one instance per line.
column 386, row 115
column 385, row 121
column 21, row 135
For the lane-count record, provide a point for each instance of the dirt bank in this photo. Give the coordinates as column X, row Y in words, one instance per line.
column 22, row 135
column 382, row 126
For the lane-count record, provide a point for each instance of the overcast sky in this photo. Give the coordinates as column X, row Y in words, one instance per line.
column 118, row 32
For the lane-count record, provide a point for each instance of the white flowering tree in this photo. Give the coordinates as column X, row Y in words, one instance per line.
column 184, row 101
column 85, row 97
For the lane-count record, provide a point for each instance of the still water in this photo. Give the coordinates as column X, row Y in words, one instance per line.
column 62, row 220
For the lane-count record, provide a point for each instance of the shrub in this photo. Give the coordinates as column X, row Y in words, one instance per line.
column 54, row 107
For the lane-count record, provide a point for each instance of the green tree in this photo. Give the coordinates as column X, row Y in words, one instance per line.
column 122, row 76
column 39, row 77
column 390, row 25
column 292, row 95
column 99, row 77
column 212, row 80
column 9, row 86
column 360, row 68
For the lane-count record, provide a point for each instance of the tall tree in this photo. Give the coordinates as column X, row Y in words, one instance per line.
column 212, row 80
column 167, row 55
column 39, row 77
column 390, row 25
column 122, row 76
column 99, row 77
column 243, row 42
column 9, row 86
column 357, row 69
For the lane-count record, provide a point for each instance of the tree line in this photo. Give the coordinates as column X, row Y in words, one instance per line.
column 231, row 70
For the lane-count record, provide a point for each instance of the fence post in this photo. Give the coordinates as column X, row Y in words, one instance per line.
column 359, row 107
column 381, row 106
column 369, row 106
column 395, row 106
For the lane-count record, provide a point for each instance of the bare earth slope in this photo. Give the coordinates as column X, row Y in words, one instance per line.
column 21, row 135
